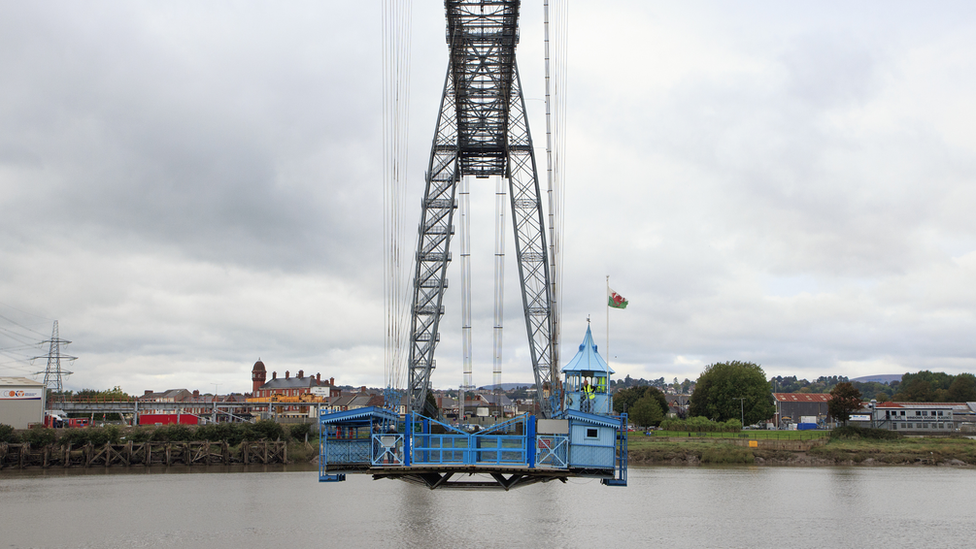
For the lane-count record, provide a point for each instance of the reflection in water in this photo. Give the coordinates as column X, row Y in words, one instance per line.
column 663, row 506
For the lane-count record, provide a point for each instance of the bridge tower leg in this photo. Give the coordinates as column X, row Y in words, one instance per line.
column 482, row 131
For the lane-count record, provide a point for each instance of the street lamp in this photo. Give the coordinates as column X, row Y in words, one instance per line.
column 742, row 410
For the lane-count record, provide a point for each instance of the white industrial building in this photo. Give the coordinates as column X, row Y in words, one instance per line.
column 21, row 402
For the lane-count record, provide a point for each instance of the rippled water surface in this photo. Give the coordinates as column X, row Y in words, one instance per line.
column 663, row 507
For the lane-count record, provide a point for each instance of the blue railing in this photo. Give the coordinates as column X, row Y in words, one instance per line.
column 499, row 449
column 498, row 445
column 430, row 449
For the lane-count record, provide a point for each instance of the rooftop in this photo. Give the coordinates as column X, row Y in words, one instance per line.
column 802, row 397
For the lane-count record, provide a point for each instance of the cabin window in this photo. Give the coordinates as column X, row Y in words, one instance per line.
column 591, row 433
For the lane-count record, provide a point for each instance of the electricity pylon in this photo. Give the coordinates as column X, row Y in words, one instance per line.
column 53, row 374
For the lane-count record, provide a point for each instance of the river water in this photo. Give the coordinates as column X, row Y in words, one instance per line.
column 285, row 506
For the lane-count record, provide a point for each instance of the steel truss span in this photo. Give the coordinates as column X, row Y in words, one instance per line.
column 482, row 130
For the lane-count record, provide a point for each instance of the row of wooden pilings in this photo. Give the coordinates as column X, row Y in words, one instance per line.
column 143, row 454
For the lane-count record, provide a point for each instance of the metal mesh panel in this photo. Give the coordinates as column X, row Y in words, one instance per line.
column 387, row 449
column 551, row 451
column 592, row 456
column 347, row 451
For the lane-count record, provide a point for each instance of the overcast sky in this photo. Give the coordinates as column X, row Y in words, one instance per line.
column 189, row 186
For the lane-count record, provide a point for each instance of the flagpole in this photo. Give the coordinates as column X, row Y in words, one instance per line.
column 609, row 407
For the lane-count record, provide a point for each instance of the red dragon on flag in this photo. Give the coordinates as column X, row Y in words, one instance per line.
column 616, row 301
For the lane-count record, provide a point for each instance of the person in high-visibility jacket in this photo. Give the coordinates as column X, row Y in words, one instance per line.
column 588, row 396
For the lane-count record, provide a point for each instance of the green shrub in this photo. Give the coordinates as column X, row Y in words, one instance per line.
column 217, row 432
column 207, row 432
column 851, row 432
column 7, row 434
column 100, row 436
column 141, row 435
column 74, row 437
column 700, row 424
column 39, row 437
column 301, row 430
column 268, row 430
column 174, row 432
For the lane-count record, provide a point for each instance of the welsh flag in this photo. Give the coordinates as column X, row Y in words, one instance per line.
column 616, row 300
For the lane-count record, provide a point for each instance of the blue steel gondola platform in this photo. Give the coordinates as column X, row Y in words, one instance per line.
column 582, row 440
column 521, row 451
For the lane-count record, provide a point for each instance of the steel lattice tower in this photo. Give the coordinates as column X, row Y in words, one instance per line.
column 482, row 130
column 53, row 373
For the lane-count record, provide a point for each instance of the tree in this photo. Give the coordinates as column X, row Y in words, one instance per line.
column 430, row 405
column 721, row 386
column 916, row 390
column 625, row 399
column 844, row 400
column 963, row 388
column 646, row 412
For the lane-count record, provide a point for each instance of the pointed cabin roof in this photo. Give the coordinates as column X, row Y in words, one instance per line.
column 587, row 359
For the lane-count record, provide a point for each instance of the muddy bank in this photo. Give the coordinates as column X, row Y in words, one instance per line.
column 737, row 456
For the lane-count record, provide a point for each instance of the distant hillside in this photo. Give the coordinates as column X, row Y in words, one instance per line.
column 507, row 386
column 881, row 378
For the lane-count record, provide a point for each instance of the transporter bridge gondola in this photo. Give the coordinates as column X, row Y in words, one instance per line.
column 520, row 451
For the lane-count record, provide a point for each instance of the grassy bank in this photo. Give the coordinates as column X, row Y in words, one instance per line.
column 749, row 435
column 703, row 448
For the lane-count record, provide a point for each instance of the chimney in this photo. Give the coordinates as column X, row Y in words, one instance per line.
column 331, row 382
column 196, row 392
column 287, row 374
column 301, row 374
column 148, row 392
column 318, row 379
column 362, row 389
column 274, row 375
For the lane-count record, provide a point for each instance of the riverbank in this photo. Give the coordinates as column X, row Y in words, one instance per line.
column 108, row 447
column 944, row 451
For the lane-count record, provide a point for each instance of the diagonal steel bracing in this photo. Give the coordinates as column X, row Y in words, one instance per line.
column 482, row 130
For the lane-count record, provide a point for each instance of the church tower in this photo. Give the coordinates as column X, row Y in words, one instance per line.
column 258, row 375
